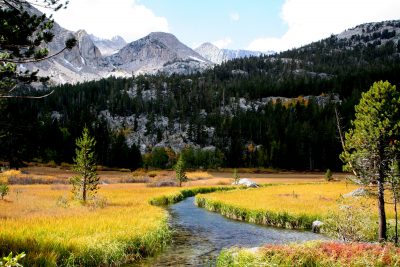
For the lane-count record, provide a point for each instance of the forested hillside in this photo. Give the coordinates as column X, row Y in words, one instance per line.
column 270, row 111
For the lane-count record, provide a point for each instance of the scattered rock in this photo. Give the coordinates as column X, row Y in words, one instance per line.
column 316, row 226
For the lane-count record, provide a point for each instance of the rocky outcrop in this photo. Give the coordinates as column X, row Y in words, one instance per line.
column 218, row 56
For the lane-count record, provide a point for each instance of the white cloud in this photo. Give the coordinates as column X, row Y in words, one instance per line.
column 312, row 20
column 106, row 18
column 223, row 43
column 234, row 16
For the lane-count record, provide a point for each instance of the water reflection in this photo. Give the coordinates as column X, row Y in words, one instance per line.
column 200, row 235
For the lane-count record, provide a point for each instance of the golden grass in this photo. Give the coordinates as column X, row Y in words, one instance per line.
column 31, row 220
column 310, row 199
column 198, row 175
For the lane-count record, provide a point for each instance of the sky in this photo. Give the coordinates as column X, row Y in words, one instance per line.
column 261, row 25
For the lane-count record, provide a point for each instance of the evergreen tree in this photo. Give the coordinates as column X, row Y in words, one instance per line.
column 86, row 181
column 370, row 143
column 180, row 170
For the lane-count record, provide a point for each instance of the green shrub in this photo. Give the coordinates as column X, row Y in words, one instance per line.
column 328, row 175
column 351, row 223
column 4, row 190
column 11, row 261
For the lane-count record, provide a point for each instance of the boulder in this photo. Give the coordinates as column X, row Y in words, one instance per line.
column 246, row 182
column 359, row 192
column 316, row 226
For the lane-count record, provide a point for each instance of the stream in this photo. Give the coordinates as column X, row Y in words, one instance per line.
column 200, row 235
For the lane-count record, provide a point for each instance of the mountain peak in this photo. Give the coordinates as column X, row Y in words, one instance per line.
column 158, row 51
column 206, row 45
column 216, row 55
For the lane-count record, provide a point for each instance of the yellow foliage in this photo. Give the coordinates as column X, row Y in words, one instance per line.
column 198, row 175
column 311, row 199
column 33, row 213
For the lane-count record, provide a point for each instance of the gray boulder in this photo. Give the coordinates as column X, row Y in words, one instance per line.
column 316, row 226
column 359, row 192
column 246, row 182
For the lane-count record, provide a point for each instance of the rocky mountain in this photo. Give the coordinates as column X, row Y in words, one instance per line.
column 95, row 58
column 108, row 47
column 218, row 56
column 157, row 52
column 82, row 63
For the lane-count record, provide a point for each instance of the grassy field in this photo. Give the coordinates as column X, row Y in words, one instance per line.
column 288, row 206
column 42, row 221
column 124, row 222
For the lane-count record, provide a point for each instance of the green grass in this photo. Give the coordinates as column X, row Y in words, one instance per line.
column 185, row 193
column 278, row 219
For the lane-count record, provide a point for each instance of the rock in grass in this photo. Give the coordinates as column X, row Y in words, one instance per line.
column 246, row 182
column 359, row 192
column 316, row 226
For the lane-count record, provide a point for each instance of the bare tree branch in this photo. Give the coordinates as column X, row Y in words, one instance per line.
column 27, row 97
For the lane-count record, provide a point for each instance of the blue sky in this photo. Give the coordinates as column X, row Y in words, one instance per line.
column 233, row 22
column 261, row 25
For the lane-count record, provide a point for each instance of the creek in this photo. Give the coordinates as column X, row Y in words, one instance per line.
column 200, row 235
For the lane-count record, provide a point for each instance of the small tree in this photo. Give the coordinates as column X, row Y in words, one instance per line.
column 86, row 181
column 236, row 176
column 4, row 190
column 328, row 175
column 180, row 170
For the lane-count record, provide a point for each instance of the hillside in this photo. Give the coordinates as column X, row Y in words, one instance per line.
column 270, row 111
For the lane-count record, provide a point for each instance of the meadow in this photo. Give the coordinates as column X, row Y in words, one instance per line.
column 293, row 206
column 119, row 226
column 125, row 222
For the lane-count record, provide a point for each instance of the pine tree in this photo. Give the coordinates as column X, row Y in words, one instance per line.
column 180, row 170
column 370, row 144
column 23, row 38
column 86, row 181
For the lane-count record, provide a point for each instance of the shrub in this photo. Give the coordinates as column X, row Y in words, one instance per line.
column 351, row 223
column 328, row 175
column 333, row 254
column 11, row 261
column 62, row 201
column 4, row 190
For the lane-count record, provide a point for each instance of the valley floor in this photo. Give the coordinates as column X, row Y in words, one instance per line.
column 120, row 225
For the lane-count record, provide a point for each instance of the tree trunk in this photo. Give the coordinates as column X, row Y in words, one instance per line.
column 396, row 236
column 84, row 189
column 381, row 209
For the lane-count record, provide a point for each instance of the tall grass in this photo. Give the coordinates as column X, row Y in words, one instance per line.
column 126, row 230
column 281, row 219
column 293, row 206
column 330, row 254
column 130, row 227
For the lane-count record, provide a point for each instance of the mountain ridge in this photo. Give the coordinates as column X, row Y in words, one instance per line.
column 218, row 56
column 161, row 52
